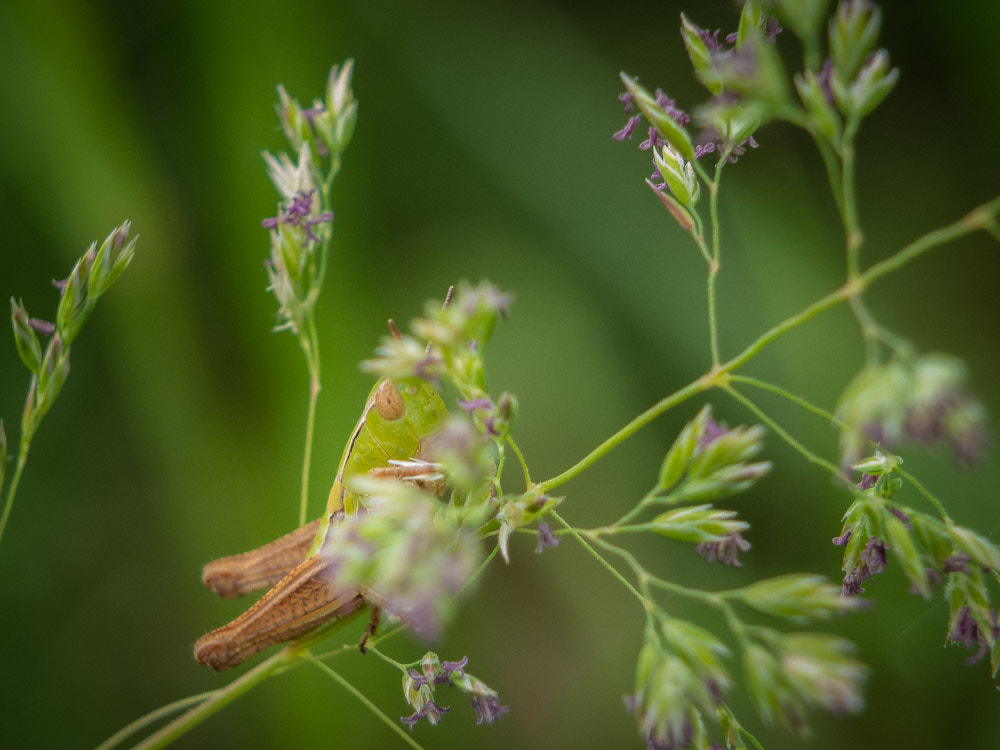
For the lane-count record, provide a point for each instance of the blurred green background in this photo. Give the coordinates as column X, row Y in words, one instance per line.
column 483, row 150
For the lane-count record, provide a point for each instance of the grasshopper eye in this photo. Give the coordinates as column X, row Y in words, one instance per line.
column 389, row 402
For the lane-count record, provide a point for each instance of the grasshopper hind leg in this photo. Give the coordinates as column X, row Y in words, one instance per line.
column 299, row 603
column 262, row 567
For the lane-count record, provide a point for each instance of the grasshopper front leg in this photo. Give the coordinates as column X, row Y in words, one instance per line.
column 373, row 623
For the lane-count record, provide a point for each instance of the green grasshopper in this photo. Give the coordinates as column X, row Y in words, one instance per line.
column 399, row 418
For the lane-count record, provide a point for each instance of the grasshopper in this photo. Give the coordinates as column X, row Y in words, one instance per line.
column 399, row 419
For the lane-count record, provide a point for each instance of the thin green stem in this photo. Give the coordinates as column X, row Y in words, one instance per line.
column 833, row 419
column 373, row 641
column 784, row 326
column 386, row 658
column 930, row 498
column 597, row 556
column 309, row 341
column 15, row 480
column 696, row 386
column 754, row 740
column 218, row 700
column 713, row 195
column 699, row 240
column 643, row 576
column 482, row 566
column 852, row 227
column 898, row 344
column 735, row 624
column 869, row 328
column 314, row 389
column 286, row 658
column 978, row 218
column 713, row 322
column 709, row 597
column 832, row 165
column 716, row 263
column 367, row 703
column 143, row 721
column 788, row 395
column 784, row 435
column 498, row 474
column 520, row 458
column 639, row 507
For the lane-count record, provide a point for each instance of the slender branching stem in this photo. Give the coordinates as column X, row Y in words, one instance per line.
column 314, row 389
column 15, row 480
column 643, row 576
column 977, row 219
column 811, row 457
column 636, row 510
column 832, row 166
column 763, row 385
column 938, row 506
column 647, row 579
column 153, row 716
column 712, row 598
column 386, row 658
column 520, row 458
column 929, row 497
column 716, row 262
column 699, row 240
column 627, row 431
column 367, row 702
column 793, row 321
column 713, row 323
column 218, row 700
column 854, row 239
column 754, row 740
column 981, row 217
column 869, row 328
column 852, row 227
column 287, row 657
column 597, row 556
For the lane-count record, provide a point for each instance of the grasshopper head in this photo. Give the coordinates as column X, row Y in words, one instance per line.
column 400, row 415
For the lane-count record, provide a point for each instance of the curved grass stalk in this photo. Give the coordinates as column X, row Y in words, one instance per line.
column 153, row 716
column 367, row 703
column 982, row 217
column 218, row 700
column 811, row 457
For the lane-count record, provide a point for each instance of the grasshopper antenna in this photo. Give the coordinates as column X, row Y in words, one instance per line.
column 444, row 306
column 394, row 331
